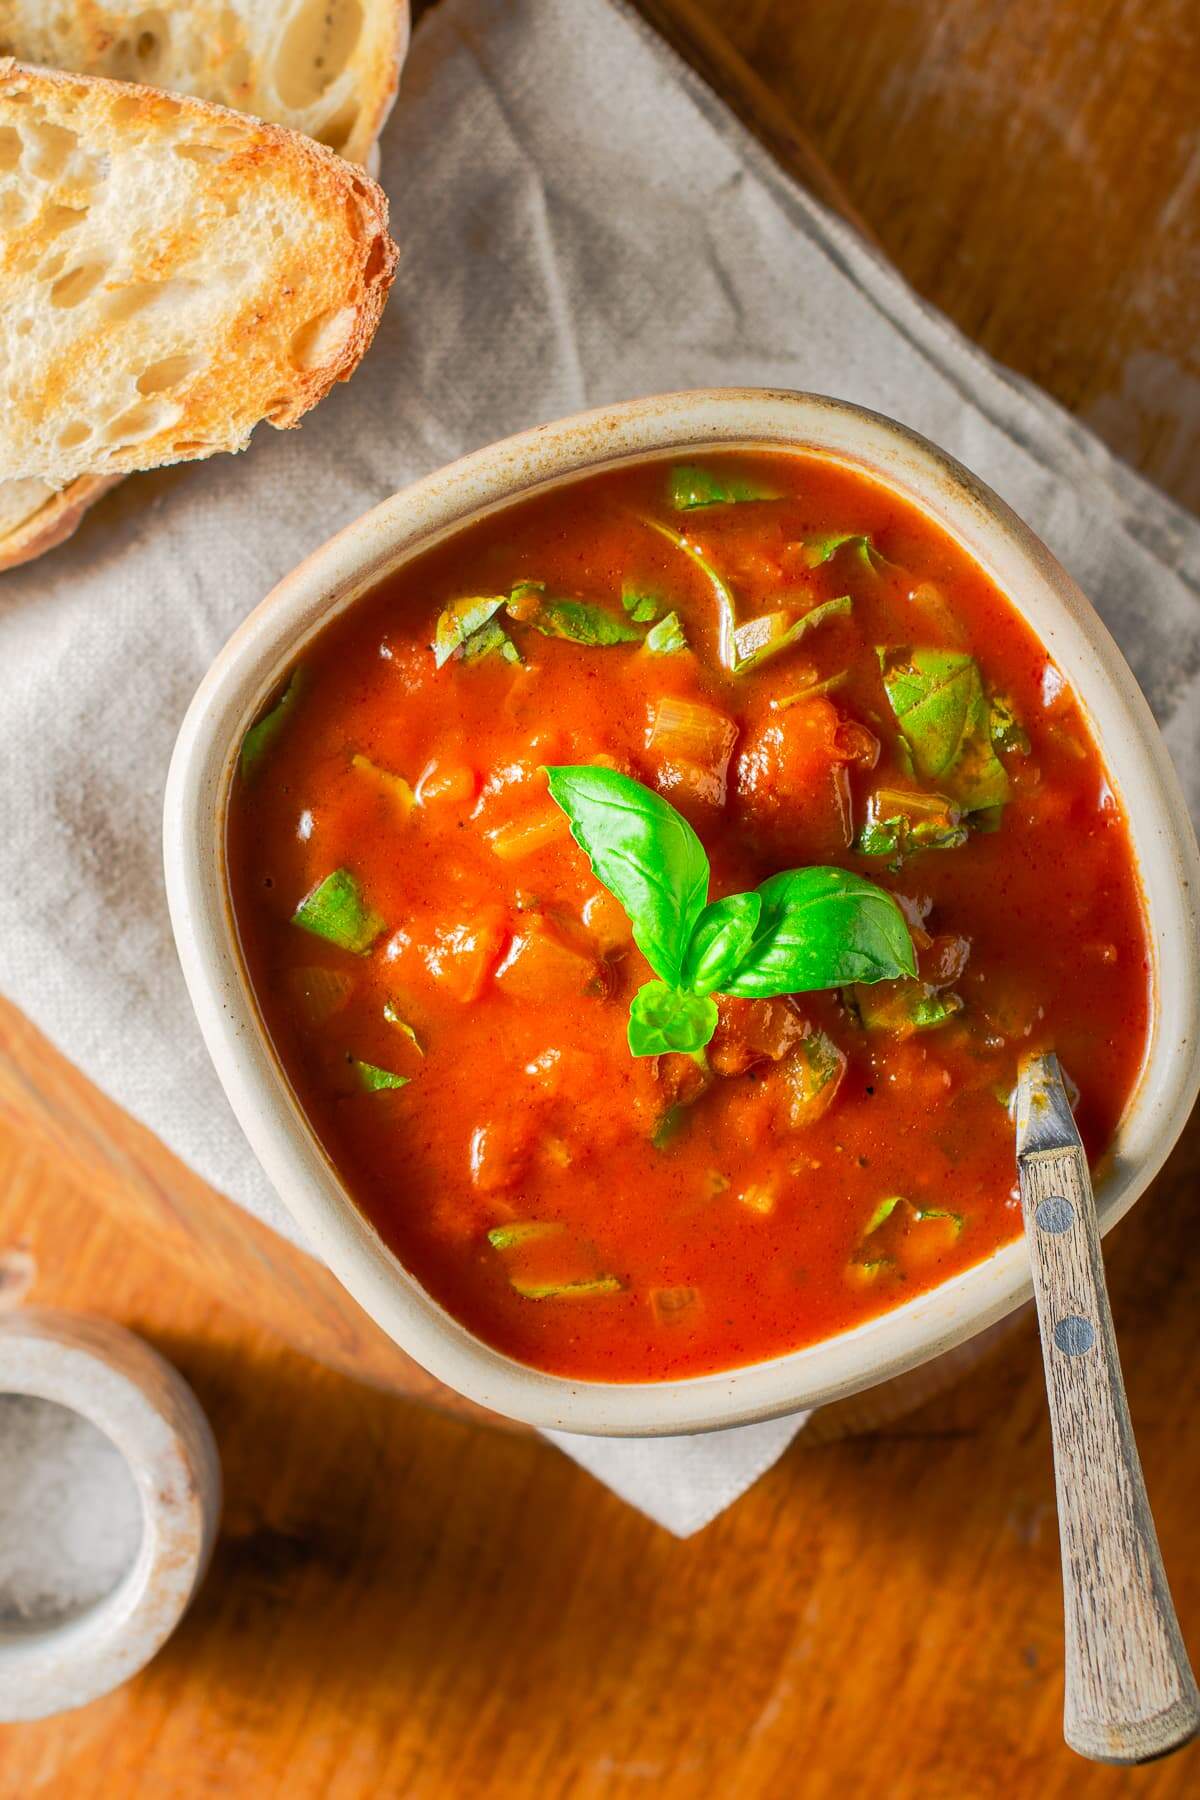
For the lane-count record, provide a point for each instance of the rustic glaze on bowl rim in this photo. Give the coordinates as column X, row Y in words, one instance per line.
column 251, row 664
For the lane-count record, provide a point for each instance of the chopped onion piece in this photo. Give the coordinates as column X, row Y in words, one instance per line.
column 692, row 731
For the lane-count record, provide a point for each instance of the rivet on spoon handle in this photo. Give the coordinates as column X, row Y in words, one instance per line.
column 1130, row 1691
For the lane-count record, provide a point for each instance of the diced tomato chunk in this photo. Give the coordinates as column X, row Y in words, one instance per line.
column 942, row 959
column 752, row 1031
column 541, row 965
column 501, row 1151
column 790, row 781
column 681, row 1079
column 465, row 957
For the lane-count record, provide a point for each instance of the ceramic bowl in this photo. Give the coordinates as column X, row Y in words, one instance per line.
column 333, row 577
column 151, row 1418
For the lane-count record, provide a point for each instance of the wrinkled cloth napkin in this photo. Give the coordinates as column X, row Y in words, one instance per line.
column 581, row 220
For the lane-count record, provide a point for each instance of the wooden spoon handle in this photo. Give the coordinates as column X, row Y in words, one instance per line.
column 1130, row 1691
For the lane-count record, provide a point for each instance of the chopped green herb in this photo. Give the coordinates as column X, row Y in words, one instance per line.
column 693, row 487
column 1007, row 731
column 758, row 640
column 669, row 1126
column 933, row 1009
column 490, row 640
column 587, row 1289
column 526, row 1231
column 264, row 731
column 899, row 824
column 640, row 606
column 376, row 1080
column 665, row 638
column 870, row 1268
column 726, row 610
column 883, row 1211
column 393, row 1016
column 460, row 621
column 940, row 706
column 939, row 1212
column 582, row 623
column 902, row 1007
column 335, row 910
column 820, row 550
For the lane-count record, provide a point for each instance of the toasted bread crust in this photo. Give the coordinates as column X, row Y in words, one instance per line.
column 328, row 68
column 54, row 522
column 317, row 264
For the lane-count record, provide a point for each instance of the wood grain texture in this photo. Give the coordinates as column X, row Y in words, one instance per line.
column 1130, row 1692
column 406, row 1607
column 163, row 1202
column 1033, row 168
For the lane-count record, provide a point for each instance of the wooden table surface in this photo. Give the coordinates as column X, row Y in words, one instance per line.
column 405, row 1603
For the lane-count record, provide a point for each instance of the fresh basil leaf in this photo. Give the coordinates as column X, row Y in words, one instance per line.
column 820, row 550
column 581, row 623
column 1006, row 729
column 665, row 638
column 662, row 1019
column 459, row 621
column 723, row 934
column 822, row 928
column 376, row 1080
column 640, row 606
column 726, row 610
column 490, row 640
column 336, row 911
column 645, row 853
column 758, row 640
column 692, row 486
column 264, row 731
column 940, row 706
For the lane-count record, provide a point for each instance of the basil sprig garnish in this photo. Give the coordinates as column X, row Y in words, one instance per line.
column 799, row 931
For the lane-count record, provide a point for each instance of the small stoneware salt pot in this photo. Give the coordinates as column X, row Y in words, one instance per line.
column 153, row 1421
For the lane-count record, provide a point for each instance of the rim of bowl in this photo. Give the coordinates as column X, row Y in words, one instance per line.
column 435, row 507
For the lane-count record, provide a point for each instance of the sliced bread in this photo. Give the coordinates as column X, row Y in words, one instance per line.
column 325, row 67
column 171, row 273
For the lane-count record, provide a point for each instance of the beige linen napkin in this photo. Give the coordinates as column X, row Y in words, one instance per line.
column 581, row 220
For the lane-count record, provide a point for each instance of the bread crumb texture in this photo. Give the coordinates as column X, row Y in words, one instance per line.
column 170, row 273
column 325, row 67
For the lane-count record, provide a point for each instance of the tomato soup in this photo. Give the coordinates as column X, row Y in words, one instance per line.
column 700, row 1047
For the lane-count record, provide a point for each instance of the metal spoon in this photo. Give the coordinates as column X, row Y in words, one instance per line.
column 1130, row 1691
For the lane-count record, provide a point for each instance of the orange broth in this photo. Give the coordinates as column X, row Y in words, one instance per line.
column 685, row 1218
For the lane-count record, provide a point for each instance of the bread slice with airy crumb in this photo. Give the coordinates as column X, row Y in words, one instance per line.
column 171, row 273
column 325, row 67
